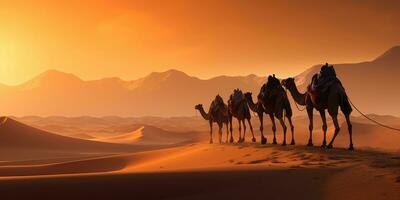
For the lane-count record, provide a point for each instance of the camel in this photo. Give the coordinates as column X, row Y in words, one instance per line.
column 219, row 114
column 239, row 109
column 331, row 100
column 275, row 105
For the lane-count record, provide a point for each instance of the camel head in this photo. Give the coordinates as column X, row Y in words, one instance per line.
column 198, row 106
column 288, row 83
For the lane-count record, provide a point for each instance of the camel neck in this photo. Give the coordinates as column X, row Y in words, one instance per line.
column 252, row 105
column 204, row 114
column 300, row 98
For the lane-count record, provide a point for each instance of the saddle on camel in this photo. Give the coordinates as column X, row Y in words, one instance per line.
column 321, row 82
column 271, row 89
column 218, row 105
column 236, row 100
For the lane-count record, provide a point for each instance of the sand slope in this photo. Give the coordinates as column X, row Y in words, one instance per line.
column 45, row 165
column 201, row 171
column 150, row 135
column 19, row 141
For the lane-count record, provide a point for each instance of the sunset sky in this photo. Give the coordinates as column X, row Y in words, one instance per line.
column 129, row 39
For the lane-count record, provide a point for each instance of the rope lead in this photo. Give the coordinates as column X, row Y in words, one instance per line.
column 372, row 120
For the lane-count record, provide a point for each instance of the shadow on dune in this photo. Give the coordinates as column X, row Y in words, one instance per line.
column 73, row 167
column 255, row 184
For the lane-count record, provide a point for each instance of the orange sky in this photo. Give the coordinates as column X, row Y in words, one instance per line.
column 129, row 39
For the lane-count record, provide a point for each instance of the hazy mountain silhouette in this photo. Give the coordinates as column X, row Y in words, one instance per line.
column 371, row 85
column 160, row 93
column 52, row 78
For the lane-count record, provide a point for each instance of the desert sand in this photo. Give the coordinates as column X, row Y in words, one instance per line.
column 137, row 164
column 215, row 171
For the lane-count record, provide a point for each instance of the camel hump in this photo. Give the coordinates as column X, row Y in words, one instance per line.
column 322, row 81
column 237, row 97
column 236, row 100
column 272, row 88
column 272, row 82
column 328, row 70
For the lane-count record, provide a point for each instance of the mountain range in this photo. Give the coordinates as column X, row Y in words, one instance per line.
column 372, row 86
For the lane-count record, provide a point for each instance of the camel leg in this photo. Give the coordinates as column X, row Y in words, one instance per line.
column 311, row 124
column 282, row 121
column 291, row 130
column 273, row 127
column 337, row 129
column 350, row 128
column 231, row 130
column 220, row 132
column 227, row 133
column 244, row 130
column 263, row 139
column 211, row 132
column 240, row 132
column 324, row 127
column 251, row 129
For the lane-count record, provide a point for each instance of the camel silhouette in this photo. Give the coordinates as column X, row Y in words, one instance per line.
column 239, row 109
column 331, row 100
column 218, row 113
column 275, row 104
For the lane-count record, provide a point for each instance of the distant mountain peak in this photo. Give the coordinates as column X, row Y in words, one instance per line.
column 51, row 77
column 390, row 55
column 169, row 74
column 58, row 74
column 172, row 72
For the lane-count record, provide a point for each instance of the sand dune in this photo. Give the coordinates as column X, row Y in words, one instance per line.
column 127, row 138
column 123, row 165
column 214, row 171
column 19, row 141
column 150, row 135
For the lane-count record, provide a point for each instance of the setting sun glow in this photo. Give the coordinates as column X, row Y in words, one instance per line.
column 129, row 39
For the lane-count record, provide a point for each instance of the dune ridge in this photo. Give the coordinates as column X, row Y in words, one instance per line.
column 21, row 142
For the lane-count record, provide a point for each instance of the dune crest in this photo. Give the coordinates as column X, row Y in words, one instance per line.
column 20, row 141
column 127, row 138
column 150, row 135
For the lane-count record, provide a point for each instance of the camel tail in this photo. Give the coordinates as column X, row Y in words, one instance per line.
column 288, row 108
column 345, row 105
